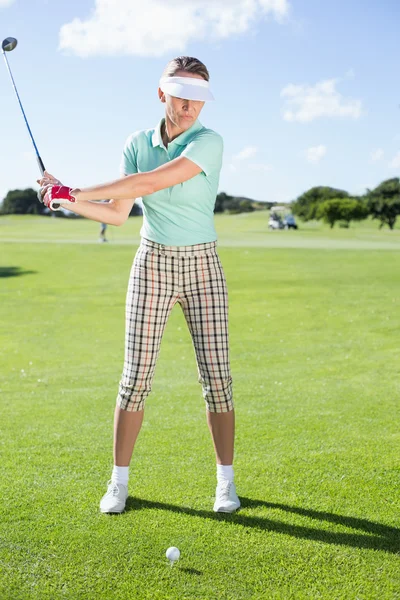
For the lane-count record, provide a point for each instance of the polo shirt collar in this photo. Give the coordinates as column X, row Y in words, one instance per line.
column 182, row 140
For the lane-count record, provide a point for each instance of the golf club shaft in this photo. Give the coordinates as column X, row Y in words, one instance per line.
column 39, row 160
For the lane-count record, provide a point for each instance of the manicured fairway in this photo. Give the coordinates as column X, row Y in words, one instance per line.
column 315, row 347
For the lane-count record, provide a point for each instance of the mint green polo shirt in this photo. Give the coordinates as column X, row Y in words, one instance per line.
column 182, row 215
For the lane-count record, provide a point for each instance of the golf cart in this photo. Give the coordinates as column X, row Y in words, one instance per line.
column 275, row 221
column 290, row 222
column 280, row 217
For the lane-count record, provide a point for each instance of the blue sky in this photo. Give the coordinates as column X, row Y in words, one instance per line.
column 307, row 92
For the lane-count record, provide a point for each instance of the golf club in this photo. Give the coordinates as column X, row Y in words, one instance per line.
column 7, row 46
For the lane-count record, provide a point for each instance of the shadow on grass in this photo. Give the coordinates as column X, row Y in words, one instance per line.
column 190, row 571
column 14, row 272
column 370, row 535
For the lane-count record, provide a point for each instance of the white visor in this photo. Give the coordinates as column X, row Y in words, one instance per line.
column 188, row 88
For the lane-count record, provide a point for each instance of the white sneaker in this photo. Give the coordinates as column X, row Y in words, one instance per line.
column 115, row 498
column 226, row 499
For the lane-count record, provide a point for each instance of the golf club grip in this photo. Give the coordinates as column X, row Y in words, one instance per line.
column 42, row 170
column 41, row 165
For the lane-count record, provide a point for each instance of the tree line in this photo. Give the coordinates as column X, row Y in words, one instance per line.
column 321, row 203
column 337, row 206
column 25, row 202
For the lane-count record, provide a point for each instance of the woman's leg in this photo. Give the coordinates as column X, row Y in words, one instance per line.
column 149, row 302
column 126, row 430
column 205, row 306
column 222, row 429
column 150, row 299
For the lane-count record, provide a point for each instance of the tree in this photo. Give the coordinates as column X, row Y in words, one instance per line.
column 136, row 210
column 342, row 209
column 306, row 205
column 221, row 202
column 233, row 206
column 384, row 202
column 236, row 204
column 246, row 206
column 22, row 202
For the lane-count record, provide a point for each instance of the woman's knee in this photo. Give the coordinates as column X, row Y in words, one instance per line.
column 217, row 393
column 131, row 397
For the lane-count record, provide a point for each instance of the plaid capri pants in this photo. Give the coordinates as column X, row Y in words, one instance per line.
column 160, row 277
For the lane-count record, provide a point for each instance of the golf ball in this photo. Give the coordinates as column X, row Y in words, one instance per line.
column 172, row 554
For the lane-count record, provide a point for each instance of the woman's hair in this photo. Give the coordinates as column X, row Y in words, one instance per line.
column 188, row 64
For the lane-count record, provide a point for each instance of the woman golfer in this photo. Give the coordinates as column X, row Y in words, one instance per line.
column 175, row 169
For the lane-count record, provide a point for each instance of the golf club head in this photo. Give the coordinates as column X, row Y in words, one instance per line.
column 9, row 44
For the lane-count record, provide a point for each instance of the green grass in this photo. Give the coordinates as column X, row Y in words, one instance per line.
column 315, row 329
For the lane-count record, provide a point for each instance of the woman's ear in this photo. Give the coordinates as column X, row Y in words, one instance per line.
column 161, row 95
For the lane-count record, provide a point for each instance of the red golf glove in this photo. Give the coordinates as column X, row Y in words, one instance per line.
column 57, row 195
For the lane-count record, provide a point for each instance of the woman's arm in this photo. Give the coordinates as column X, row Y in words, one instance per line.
column 124, row 191
column 142, row 184
column 114, row 212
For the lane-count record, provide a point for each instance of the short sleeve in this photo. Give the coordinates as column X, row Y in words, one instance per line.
column 128, row 165
column 206, row 151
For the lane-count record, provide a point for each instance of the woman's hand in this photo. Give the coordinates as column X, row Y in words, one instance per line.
column 57, row 195
column 46, row 181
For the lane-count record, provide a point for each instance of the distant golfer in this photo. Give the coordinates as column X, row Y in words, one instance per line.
column 175, row 169
column 103, row 227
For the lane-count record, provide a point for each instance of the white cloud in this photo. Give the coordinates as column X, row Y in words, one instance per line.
column 395, row 163
column 305, row 103
column 156, row 27
column 263, row 168
column 247, row 152
column 376, row 155
column 4, row 3
column 315, row 153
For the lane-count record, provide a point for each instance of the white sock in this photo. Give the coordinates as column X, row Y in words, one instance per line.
column 224, row 473
column 120, row 475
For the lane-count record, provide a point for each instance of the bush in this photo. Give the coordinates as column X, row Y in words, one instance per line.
column 307, row 205
column 22, row 202
column 343, row 210
column 384, row 202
